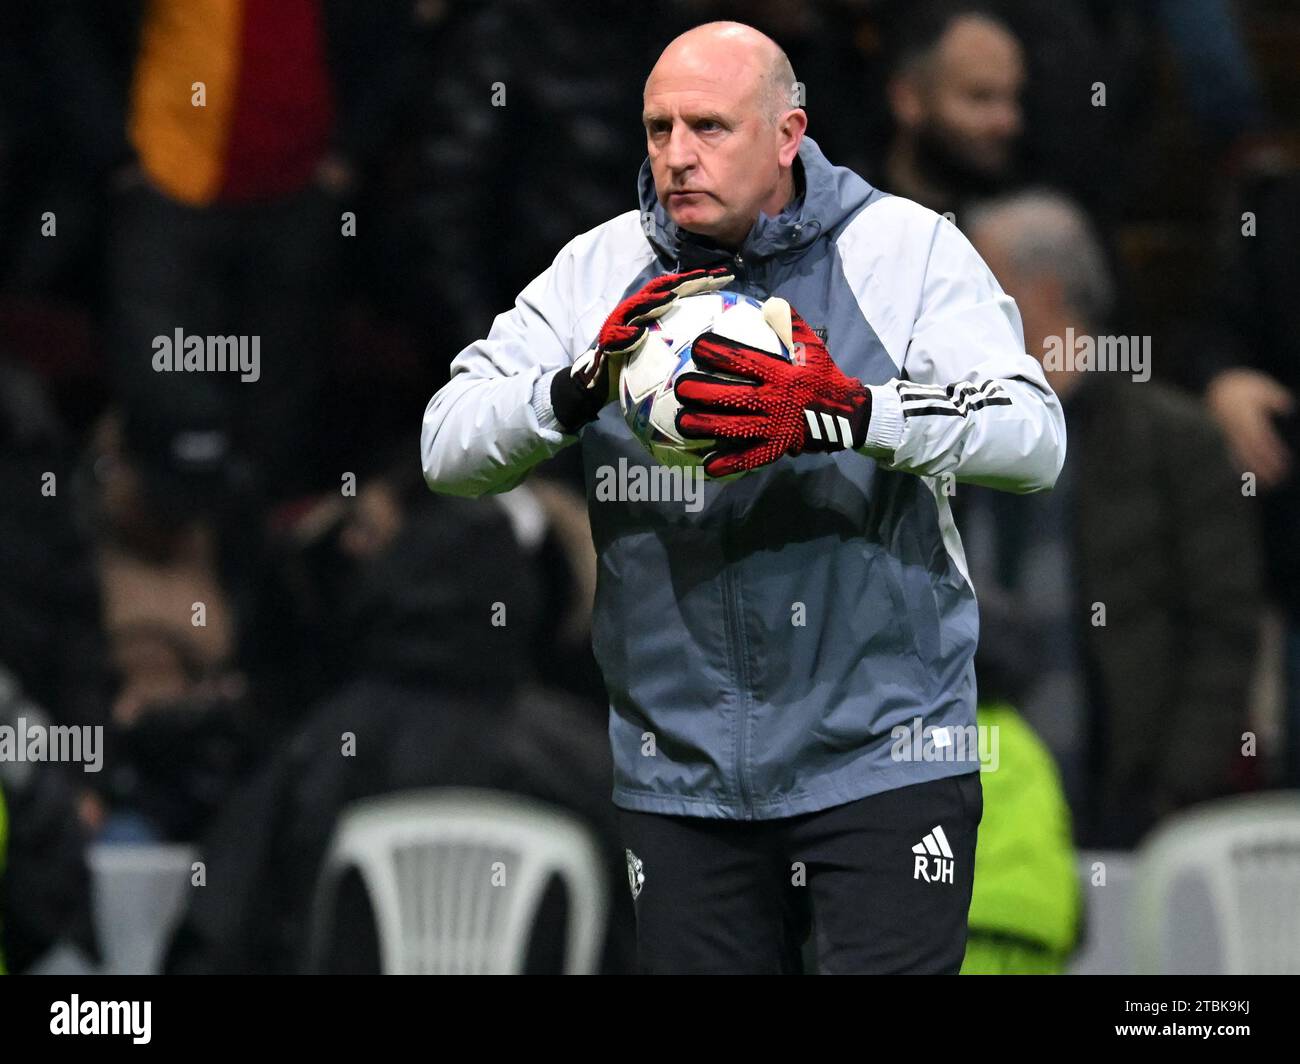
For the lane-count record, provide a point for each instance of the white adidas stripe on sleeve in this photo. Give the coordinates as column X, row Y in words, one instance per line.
column 967, row 399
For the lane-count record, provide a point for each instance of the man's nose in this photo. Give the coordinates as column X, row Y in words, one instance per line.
column 680, row 154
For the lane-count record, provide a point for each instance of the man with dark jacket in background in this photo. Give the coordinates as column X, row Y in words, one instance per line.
column 1126, row 601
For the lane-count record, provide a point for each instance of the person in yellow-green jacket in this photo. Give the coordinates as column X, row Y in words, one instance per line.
column 1027, row 905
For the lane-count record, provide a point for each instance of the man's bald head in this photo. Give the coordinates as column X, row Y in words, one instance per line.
column 735, row 47
column 1046, row 255
column 722, row 129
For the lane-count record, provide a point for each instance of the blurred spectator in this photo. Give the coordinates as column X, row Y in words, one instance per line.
column 180, row 721
column 956, row 79
column 440, row 696
column 181, row 738
column 1026, row 911
column 1092, row 74
column 1126, row 600
column 233, row 154
column 303, row 607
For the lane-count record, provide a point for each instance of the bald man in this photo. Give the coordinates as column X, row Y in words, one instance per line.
column 789, row 664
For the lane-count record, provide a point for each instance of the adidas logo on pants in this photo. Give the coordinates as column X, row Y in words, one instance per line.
column 934, row 847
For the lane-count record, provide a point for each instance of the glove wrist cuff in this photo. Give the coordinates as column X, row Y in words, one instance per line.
column 860, row 419
column 574, row 404
column 841, row 423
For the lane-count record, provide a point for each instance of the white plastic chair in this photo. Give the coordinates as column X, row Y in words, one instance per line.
column 140, row 893
column 455, row 878
column 1226, row 874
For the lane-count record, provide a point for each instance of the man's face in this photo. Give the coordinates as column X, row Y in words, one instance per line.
column 967, row 100
column 715, row 156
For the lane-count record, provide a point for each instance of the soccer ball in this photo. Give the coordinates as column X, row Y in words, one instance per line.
column 646, row 383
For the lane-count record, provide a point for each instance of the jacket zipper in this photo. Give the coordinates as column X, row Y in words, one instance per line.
column 735, row 646
column 734, row 618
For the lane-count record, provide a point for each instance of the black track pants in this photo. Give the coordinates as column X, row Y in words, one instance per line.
column 743, row 895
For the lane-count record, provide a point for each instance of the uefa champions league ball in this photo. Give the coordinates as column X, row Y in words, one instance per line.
column 646, row 384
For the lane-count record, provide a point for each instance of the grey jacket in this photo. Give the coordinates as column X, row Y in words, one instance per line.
column 771, row 652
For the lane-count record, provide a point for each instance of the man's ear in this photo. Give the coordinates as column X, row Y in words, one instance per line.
column 793, row 126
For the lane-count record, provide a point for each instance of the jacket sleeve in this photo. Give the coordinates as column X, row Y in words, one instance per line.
column 968, row 401
column 492, row 422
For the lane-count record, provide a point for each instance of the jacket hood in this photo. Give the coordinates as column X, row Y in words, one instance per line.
column 826, row 196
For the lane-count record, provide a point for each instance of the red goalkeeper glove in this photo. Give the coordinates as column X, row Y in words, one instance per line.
column 577, row 396
column 775, row 407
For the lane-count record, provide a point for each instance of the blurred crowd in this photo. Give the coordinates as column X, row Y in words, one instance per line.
column 230, row 575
